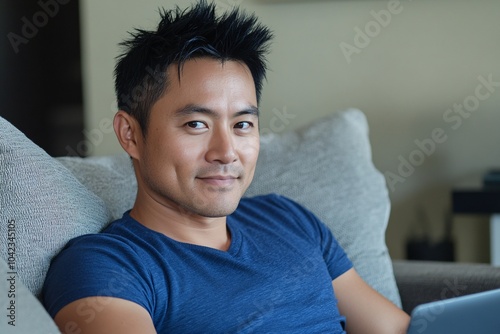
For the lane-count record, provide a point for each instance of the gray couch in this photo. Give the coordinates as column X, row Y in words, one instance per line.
column 325, row 166
column 421, row 282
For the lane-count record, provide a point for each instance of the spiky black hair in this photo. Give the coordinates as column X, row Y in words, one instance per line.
column 140, row 72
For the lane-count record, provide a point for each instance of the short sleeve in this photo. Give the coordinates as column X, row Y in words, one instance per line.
column 96, row 265
column 334, row 255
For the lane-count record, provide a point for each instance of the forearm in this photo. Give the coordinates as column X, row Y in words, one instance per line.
column 367, row 311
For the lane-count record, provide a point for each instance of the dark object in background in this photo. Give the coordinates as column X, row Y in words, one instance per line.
column 423, row 248
column 426, row 250
column 492, row 179
column 40, row 72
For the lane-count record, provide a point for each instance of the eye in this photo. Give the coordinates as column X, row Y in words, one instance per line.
column 196, row 125
column 244, row 125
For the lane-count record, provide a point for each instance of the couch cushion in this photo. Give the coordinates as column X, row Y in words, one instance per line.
column 45, row 204
column 112, row 178
column 326, row 167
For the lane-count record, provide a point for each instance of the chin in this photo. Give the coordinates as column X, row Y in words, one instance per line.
column 216, row 212
column 218, row 208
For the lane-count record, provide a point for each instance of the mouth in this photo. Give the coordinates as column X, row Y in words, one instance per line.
column 221, row 181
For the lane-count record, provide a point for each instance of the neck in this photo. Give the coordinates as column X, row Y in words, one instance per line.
column 181, row 225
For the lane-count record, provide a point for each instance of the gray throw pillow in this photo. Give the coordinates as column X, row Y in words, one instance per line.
column 111, row 178
column 44, row 204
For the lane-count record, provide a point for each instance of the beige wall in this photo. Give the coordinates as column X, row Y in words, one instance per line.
column 428, row 56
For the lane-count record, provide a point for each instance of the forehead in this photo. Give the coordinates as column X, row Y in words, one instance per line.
column 209, row 82
column 224, row 88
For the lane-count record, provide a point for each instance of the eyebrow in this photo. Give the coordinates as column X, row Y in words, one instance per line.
column 191, row 109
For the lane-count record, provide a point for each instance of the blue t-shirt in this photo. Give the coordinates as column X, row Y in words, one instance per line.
column 276, row 275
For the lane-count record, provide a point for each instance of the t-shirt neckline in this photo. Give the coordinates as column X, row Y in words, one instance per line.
column 231, row 225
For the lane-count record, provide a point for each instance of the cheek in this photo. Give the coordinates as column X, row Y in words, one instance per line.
column 250, row 152
column 168, row 155
column 184, row 157
column 187, row 150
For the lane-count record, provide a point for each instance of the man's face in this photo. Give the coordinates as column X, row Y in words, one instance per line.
column 202, row 142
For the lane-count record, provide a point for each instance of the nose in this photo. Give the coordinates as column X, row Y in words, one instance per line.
column 221, row 148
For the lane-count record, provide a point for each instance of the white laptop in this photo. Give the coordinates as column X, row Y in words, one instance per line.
column 476, row 313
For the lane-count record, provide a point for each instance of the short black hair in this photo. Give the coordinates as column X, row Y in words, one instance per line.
column 181, row 35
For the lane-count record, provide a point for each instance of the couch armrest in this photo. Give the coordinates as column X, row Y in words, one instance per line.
column 422, row 281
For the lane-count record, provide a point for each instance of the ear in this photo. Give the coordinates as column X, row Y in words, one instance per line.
column 128, row 132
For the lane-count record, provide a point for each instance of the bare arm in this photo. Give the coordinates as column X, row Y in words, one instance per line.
column 367, row 311
column 104, row 315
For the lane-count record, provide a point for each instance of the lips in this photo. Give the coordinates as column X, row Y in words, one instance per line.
column 219, row 180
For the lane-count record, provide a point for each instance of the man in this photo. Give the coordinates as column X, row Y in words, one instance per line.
column 191, row 256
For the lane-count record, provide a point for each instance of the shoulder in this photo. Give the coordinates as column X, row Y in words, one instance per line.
column 103, row 264
column 281, row 217
column 117, row 249
column 95, row 258
column 90, row 248
column 114, row 239
column 123, row 235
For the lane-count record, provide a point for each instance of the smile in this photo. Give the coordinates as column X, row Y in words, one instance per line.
column 219, row 180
